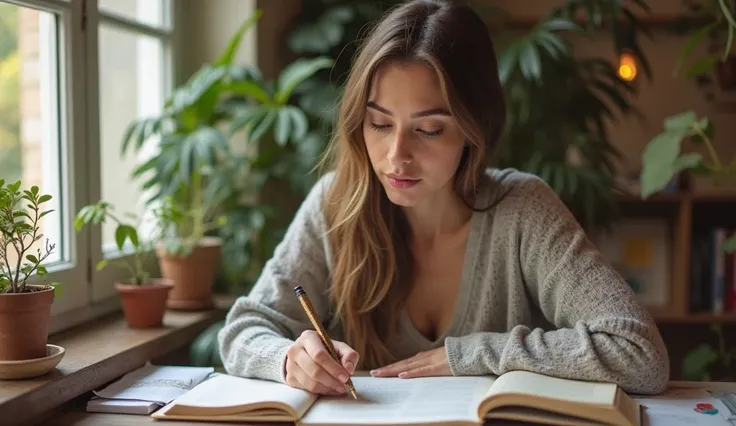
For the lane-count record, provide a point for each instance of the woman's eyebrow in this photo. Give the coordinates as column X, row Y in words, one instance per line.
column 423, row 113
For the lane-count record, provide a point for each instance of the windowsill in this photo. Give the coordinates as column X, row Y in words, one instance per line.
column 98, row 352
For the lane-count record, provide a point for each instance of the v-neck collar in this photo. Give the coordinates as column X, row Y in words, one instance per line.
column 467, row 279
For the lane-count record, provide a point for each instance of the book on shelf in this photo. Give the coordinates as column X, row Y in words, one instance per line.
column 469, row 400
column 713, row 272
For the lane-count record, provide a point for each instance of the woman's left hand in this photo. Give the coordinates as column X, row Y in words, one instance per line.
column 429, row 363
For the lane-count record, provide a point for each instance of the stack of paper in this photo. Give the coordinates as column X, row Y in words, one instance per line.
column 146, row 389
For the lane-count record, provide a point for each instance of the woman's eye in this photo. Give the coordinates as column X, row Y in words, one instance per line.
column 380, row 127
column 431, row 133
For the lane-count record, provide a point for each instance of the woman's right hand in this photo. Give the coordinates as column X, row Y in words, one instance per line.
column 309, row 365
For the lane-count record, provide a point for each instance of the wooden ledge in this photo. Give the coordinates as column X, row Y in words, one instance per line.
column 96, row 354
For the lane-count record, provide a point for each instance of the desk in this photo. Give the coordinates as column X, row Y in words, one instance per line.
column 74, row 414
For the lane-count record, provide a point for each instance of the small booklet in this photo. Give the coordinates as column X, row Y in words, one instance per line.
column 146, row 389
column 517, row 395
column 121, row 406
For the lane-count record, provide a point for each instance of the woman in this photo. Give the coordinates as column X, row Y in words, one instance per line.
column 423, row 261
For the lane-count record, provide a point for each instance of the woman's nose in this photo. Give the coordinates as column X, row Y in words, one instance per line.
column 400, row 151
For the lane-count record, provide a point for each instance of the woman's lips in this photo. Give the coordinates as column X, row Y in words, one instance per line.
column 401, row 182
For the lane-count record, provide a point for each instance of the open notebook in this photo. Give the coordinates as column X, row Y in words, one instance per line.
column 517, row 395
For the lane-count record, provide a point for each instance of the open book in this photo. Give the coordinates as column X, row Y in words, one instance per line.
column 516, row 395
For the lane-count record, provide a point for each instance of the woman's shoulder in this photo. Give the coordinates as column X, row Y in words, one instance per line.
column 509, row 186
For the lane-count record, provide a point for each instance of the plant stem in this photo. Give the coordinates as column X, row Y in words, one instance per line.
column 22, row 285
column 709, row 145
column 196, row 207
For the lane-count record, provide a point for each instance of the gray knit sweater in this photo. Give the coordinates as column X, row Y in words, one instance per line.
column 535, row 295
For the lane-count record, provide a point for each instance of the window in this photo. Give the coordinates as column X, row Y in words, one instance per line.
column 134, row 39
column 73, row 75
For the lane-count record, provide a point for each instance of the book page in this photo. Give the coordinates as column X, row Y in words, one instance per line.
column 225, row 394
column 528, row 383
column 390, row 400
column 681, row 407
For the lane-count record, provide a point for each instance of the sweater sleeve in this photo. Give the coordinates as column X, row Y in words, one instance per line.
column 601, row 334
column 261, row 326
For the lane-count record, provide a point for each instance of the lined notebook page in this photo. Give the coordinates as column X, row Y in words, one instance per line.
column 392, row 400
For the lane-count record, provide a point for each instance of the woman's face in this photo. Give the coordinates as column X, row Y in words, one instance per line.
column 413, row 142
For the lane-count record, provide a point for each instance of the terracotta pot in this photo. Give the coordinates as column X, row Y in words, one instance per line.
column 24, row 323
column 144, row 305
column 193, row 275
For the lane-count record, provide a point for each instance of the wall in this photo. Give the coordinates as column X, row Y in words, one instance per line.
column 206, row 28
column 209, row 25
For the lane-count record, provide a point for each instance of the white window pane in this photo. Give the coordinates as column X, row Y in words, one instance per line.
column 132, row 82
column 29, row 114
column 149, row 12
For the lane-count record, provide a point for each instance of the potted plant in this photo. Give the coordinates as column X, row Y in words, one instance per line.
column 200, row 183
column 187, row 176
column 143, row 297
column 25, row 308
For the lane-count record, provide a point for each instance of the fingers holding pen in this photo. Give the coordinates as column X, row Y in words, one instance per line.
column 310, row 366
column 323, row 362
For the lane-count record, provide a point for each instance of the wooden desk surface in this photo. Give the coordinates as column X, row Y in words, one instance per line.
column 74, row 413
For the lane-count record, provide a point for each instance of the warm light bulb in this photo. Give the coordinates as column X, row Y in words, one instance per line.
column 627, row 66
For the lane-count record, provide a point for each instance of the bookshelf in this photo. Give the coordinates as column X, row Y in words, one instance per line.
column 689, row 215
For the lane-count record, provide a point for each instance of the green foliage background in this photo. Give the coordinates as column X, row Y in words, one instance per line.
column 10, row 155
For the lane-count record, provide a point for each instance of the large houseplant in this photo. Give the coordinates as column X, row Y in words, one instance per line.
column 191, row 174
column 143, row 297
column 25, row 308
column 211, row 184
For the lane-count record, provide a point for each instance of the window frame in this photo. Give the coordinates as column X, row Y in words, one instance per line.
column 86, row 293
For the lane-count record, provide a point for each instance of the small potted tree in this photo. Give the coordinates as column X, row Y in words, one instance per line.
column 143, row 297
column 25, row 308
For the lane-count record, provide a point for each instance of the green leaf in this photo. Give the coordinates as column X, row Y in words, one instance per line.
column 687, row 161
column 681, row 121
column 729, row 246
column 32, row 258
column 252, row 89
column 300, row 122
column 296, row 73
column 132, row 235
column 658, row 160
column 245, row 116
column 693, row 41
column 44, row 198
column 121, row 233
column 227, row 56
column 558, row 24
column 283, row 126
column 530, row 63
column 263, row 125
column 101, row 264
column 695, row 364
column 702, row 65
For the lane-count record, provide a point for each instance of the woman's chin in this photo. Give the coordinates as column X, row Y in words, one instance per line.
column 400, row 198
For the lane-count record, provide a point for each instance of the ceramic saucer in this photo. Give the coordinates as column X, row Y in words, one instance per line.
column 28, row 368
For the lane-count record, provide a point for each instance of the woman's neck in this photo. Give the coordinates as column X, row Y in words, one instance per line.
column 438, row 219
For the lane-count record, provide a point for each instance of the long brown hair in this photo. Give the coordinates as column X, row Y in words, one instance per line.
column 372, row 266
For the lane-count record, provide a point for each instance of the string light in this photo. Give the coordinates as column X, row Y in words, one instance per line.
column 626, row 66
